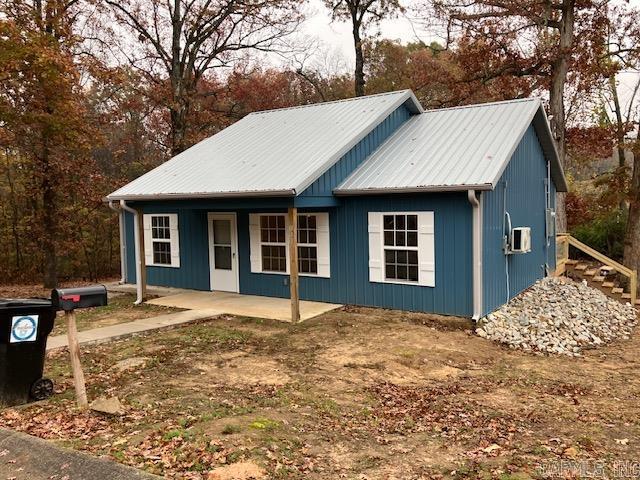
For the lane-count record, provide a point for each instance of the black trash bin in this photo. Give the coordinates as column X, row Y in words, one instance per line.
column 25, row 325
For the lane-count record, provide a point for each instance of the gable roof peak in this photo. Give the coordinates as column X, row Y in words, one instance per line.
column 414, row 105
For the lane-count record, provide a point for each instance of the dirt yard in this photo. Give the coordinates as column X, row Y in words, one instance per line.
column 357, row 394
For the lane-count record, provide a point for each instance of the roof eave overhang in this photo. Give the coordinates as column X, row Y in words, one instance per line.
column 210, row 195
column 541, row 125
column 431, row 189
column 541, row 121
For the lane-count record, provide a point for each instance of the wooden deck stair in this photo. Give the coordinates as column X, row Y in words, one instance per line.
column 603, row 273
column 610, row 284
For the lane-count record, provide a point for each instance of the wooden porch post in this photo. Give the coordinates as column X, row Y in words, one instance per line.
column 293, row 264
column 143, row 269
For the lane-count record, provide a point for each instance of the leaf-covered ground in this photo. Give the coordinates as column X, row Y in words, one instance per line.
column 356, row 393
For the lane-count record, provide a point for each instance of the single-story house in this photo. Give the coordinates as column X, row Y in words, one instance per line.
column 448, row 211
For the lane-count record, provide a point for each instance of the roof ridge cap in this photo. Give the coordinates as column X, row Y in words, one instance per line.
column 342, row 100
column 486, row 104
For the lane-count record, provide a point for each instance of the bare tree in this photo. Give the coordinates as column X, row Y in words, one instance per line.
column 361, row 13
column 182, row 40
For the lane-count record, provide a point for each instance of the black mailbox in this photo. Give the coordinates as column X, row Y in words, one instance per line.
column 82, row 297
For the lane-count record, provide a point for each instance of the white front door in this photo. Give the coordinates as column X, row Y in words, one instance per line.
column 223, row 251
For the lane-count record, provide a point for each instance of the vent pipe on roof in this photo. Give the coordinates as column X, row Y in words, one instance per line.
column 136, row 233
column 477, row 252
column 123, row 247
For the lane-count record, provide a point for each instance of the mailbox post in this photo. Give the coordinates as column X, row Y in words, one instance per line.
column 68, row 299
column 74, row 353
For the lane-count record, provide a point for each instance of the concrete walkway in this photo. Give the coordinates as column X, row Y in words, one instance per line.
column 121, row 330
column 23, row 457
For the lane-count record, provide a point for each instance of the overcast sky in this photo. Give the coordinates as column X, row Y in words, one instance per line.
column 336, row 40
column 337, row 35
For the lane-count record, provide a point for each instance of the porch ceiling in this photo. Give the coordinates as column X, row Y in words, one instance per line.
column 243, row 305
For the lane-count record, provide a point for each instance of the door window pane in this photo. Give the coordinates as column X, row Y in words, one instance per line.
column 222, row 256
column 222, row 232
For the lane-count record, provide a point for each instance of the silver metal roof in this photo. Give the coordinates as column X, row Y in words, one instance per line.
column 276, row 152
column 454, row 149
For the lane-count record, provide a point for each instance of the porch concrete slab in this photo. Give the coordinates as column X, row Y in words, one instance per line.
column 115, row 332
column 153, row 290
column 244, row 305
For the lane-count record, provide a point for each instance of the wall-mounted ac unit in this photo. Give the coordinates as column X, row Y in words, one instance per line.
column 520, row 240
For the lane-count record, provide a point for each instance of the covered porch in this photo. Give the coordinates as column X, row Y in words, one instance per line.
column 211, row 246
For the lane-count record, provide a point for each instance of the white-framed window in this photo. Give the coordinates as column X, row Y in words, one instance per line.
column 269, row 238
column 401, row 248
column 273, row 243
column 161, row 240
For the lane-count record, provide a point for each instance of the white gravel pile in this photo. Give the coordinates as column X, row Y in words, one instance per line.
column 559, row 316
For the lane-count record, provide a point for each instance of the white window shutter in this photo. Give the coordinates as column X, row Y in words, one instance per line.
column 254, row 243
column 324, row 257
column 426, row 249
column 175, row 240
column 375, row 247
column 148, row 241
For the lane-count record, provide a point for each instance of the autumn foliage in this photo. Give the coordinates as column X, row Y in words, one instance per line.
column 94, row 94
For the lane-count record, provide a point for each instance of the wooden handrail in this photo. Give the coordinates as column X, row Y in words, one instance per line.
column 627, row 272
column 597, row 255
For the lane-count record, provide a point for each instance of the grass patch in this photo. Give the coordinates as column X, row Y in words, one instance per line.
column 265, row 424
column 230, row 429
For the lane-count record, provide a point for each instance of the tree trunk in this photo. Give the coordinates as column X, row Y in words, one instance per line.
column 178, row 108
column 178, row 116
column 560, row 68
column 15, row 215
column 49, row 221
column 632, row 235
column 359, row 72
column 621, row 175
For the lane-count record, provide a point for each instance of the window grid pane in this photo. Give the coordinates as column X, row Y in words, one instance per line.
column 272, row 229
column 274, row 258
column 308, row 259
column 401, row 231
column 160, row 229
column 162, row 253
column 307, row 234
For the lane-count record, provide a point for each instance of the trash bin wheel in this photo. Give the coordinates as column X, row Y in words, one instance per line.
column 42, row 389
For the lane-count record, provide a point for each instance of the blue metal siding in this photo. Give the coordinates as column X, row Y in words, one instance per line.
column 324, row 185
column 349, row 282
column 523, row 182
column 194, row 249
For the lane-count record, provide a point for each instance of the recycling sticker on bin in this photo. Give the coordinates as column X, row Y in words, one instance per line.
column 24, row 328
